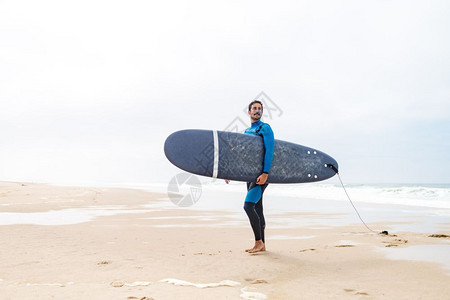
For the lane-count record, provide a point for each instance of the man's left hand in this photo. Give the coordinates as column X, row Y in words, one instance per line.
column 262, row 179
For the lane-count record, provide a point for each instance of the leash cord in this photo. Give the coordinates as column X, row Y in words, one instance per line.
column 351, row 202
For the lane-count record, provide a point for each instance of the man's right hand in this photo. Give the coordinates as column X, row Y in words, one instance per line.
column 262, row 178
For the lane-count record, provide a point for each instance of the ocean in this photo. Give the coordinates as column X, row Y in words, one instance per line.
column 415, row 195
column 421, row 208
column 406, row 207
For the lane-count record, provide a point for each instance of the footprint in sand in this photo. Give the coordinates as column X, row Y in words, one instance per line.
column 117, row 284
column 441, row 236
column 356, row 292
column 255, row 281
column 344, row 246
column 104, row 262
column 201, row 253
column 137, row 298
column 304, row 250
column 395, row 243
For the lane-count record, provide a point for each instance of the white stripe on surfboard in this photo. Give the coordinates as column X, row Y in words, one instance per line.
column 216, row 154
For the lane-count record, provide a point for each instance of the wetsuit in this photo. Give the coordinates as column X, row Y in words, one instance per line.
column 253, row 201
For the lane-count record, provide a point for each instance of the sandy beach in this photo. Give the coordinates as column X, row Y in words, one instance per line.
column 110, row 243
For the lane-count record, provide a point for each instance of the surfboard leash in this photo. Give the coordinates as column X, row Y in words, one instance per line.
column 384, row 232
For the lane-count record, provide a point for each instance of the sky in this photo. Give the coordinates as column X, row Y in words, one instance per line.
column 89, row 90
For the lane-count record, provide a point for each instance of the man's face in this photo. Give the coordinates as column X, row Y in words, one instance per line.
column 255, row 112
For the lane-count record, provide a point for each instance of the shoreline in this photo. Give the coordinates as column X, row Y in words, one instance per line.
column 126, row 247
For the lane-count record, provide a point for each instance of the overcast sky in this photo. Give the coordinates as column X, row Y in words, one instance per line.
column 89, row 90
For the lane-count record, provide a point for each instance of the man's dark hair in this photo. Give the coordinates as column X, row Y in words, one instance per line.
column 253, row 102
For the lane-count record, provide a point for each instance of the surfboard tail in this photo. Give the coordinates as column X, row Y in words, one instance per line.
column 191, row 151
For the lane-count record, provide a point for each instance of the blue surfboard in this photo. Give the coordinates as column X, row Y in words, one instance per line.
column 236, row 156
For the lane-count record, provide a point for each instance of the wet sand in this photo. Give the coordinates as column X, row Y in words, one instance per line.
column 106, row 243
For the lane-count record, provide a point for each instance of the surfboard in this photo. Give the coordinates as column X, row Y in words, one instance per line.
column 237, row 156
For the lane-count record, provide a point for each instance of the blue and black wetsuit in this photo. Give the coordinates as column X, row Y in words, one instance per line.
column 253, row 201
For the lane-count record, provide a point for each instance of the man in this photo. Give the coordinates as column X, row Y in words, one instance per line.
column 253, row 205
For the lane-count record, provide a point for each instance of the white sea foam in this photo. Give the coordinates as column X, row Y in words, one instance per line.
column 50, row 284
column 201, row 285
column 138, row 283
column 248, row 295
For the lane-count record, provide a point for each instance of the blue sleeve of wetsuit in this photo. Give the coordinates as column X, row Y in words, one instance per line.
column 269, row 145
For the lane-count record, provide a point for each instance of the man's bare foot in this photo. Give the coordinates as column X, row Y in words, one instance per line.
column 259, row 246
column 251, row 249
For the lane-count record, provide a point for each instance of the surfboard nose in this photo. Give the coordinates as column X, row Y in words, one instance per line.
column 316, row 165
column 331, row 165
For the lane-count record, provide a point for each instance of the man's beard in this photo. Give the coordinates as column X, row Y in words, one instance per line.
column 256, row 116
